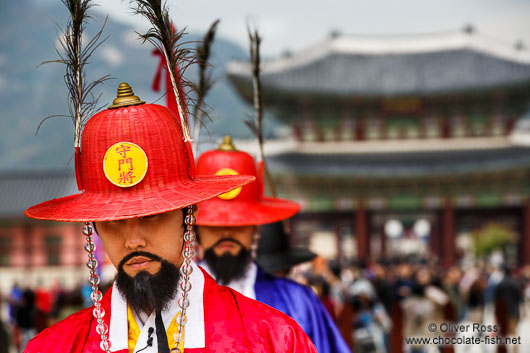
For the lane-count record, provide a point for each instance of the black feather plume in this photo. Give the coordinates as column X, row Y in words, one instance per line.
column 82, row 103
column 205, row 79
column 166, row 38
column 256, row 126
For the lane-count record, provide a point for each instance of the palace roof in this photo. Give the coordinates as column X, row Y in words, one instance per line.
column 401, row 164
column 394, row 65
column 20, row 190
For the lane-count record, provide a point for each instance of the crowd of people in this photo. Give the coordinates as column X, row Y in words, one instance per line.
column 378, row 306
column 31, row 310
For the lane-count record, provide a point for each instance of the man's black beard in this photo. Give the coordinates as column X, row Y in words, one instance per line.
column 227, row 267
column 146, row 292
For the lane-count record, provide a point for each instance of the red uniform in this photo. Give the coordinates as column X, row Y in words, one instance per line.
column 232, row 322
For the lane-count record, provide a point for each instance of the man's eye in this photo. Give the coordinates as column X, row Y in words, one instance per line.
column 118, row 222
column 151, row 217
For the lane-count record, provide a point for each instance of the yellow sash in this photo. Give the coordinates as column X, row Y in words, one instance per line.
column 134, row 332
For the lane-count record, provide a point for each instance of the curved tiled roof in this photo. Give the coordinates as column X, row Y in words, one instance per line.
column 20, row 190
column 406, row 164
column 375, row 66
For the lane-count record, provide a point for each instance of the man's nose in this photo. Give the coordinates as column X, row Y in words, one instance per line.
column 135, row 236
column 226, row 232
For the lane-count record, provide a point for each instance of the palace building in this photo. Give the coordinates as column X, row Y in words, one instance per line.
column 401, row 143
column 34, row 253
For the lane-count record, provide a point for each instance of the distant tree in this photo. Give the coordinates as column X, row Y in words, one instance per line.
column 491, row 237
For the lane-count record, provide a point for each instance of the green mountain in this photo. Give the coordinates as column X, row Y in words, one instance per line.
column 28, row 94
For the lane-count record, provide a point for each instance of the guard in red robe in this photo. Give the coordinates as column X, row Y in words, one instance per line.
column 139, row 188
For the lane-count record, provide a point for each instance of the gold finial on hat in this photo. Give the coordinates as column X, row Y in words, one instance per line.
column 125, row 97
column 227, row 144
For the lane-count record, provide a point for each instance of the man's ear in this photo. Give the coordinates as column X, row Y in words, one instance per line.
column 195, row 210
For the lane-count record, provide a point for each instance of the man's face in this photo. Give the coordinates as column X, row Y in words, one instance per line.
column 160, row 234
column 226, row 240
column 227, row 250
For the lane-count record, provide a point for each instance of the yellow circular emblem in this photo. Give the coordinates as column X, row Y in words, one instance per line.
column 125, row 164
column 231, row 194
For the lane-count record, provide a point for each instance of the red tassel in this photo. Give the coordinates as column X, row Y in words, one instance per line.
column 158, row 75
column 170, row 95
column 77, row 161
column 172, row 102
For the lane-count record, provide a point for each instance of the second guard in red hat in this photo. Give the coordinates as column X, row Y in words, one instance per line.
column 242, row 206
column 228, row 232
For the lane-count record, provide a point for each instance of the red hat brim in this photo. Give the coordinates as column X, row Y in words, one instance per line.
column 230, row 213
column 98, row 207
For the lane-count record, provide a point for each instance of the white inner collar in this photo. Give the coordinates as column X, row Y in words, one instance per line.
column 243, row 285
column 193, row 330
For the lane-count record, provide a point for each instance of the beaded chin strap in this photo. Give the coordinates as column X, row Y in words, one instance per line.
column 185, row 285
column 101, row 328
column 255, row 244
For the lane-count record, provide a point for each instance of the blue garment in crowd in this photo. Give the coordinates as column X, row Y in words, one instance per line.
column 300, row 303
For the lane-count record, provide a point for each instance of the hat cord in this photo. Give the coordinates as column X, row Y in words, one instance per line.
column 255, row 244
column 92, row 263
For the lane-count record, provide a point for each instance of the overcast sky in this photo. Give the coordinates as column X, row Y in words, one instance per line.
column 295, row 24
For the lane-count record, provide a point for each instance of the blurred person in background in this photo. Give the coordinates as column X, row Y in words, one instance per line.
column 227, row 229
column 508, row 298
column 495, row 275
column 524, row 284
column 368, row 324
column 403, row 284
column 4, row 336
column 43, row 303
column 450, row 284
column 14, row 300
column 323, row 290
column 421, row 307
column 473, row 287
column 25, row 316
column 86, row 290
column 66, row 304
column 382, row 286
column 275, row 255
column 474, row 312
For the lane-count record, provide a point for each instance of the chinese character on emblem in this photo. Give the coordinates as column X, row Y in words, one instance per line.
column 126, row 177
column 125, row 164
column 122, row 150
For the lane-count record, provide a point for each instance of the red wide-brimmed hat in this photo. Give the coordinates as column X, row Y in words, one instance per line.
column 243, row 206
column 133, row 162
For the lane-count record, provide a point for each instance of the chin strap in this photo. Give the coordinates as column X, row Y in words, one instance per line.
column 101, row 328
column 255, row 244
